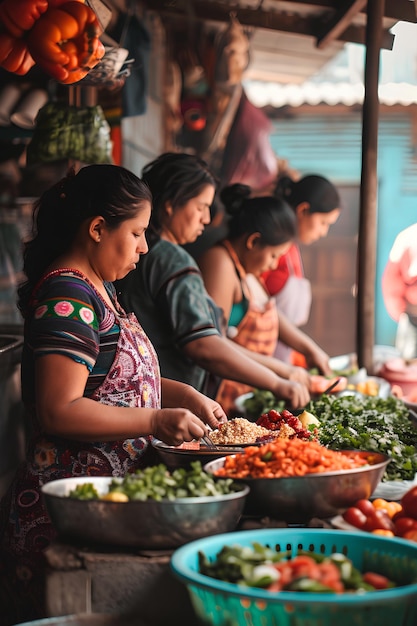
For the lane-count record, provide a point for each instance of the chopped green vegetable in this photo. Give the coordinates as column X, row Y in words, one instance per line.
column 86, row 491
column 369, row 423
column 262, row 567
column 157, row 483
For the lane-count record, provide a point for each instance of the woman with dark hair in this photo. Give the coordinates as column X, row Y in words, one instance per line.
column 90, row 376
column 316, row 205
column 261, row 229
column 168, row 295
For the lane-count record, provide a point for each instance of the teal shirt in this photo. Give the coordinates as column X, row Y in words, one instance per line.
column 238, row 312
column 167, row 293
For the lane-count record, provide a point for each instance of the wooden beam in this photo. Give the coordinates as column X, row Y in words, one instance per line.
column 285, row 22
column 366, row 261
column 340, row 22
column 403, row 10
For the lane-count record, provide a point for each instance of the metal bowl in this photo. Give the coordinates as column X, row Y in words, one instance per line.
column 298, row 499
column 150, row 525
column 174, row 457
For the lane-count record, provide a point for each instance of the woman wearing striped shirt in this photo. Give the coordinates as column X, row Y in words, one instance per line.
column 90, row 376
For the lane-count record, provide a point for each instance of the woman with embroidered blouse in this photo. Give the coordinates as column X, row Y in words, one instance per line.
column 90, row 376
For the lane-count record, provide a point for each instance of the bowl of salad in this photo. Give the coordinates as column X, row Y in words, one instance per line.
column 300, row 576
column 152, row 508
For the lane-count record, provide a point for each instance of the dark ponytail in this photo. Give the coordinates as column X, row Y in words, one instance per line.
column 270, row 216
column 111, row 191
column 319, row 192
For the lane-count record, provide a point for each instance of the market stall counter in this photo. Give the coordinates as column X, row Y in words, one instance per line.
column 103, row 579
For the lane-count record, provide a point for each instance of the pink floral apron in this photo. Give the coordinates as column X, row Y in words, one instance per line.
column 133, row 380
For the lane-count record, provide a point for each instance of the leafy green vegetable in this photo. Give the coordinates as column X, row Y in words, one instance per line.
column 369, row 423
column 260, row 402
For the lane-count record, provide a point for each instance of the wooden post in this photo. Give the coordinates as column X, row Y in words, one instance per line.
column 366, row 261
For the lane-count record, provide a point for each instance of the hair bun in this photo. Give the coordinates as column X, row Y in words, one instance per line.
column 234, row 196
column 283, row 186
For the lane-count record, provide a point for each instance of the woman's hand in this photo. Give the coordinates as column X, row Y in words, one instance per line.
column 299, row 375
column 316, row 357
column 208, row 410
column 204, row 409
column 174, row 426
column 296, row 393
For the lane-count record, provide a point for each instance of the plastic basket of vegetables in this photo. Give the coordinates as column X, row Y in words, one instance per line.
column 235, row 579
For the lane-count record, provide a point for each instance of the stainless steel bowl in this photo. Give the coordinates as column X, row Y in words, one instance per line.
column 174, row 457
column 298, row 499
column 148, row 525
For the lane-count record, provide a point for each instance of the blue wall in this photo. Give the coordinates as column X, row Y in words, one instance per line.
column 331, row 145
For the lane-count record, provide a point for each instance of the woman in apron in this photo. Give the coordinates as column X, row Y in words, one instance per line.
column 316, row 205
column 90, row 376
column 260, row 231
column 167, row 292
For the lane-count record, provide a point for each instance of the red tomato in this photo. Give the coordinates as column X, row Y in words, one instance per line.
column 404, row 524
column 410, row 534
column 305, row 567
column 378, row 520
column 365, row 506
column 376, row 580
column 409, row 502
column 330, row 576
column 354, row 516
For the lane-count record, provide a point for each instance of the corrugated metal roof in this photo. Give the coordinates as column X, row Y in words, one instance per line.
column 279, row 95
column 341, row 81
column 291, row 40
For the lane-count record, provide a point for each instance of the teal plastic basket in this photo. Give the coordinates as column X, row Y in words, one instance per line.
column 220, row 603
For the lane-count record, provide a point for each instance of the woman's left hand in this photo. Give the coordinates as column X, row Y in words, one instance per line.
column 317, row 357
column 207, row 409
column 299, row 375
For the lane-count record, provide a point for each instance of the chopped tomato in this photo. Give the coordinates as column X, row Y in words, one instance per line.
column 376, row 580
column 305, row 567
column 383, row 532
column 330, row 576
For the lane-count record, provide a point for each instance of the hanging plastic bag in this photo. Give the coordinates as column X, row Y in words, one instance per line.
column 69, row 132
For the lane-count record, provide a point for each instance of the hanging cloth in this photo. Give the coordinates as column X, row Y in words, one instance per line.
column 133, row 35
